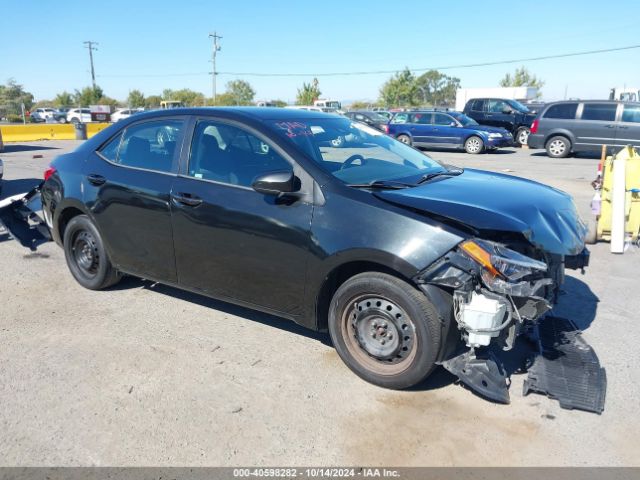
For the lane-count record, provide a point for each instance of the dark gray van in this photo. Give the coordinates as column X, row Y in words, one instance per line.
column 569, row 127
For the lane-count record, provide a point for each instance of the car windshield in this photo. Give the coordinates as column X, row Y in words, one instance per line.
column 464, row 120
column 517, row 106
column 356, row 153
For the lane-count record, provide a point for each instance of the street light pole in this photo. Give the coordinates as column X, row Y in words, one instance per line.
column 216, row 49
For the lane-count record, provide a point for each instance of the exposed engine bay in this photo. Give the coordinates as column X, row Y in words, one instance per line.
column 499, row 293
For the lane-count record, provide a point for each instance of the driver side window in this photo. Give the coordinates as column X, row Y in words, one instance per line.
column 228, row 154
column 498, row 106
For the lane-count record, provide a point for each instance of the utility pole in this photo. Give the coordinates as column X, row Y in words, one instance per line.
column 91, row 46
column 216, row 49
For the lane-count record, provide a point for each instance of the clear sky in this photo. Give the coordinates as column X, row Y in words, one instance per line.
column 152, row 45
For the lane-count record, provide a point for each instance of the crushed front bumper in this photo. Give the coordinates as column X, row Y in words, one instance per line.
column 491, row 315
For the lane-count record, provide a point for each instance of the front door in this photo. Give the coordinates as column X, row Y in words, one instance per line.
column 446, row 131
column 127, row 190
column 500, row 114
column 231, row 241
column 628, row 131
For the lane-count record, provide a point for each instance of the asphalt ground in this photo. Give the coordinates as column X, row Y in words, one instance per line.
column 145, row 374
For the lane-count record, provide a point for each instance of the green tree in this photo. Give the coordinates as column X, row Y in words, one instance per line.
column 225, row 99
column 12, row 96
column 279, row 103
column 136, row 99
column 400, row 90
column 241, row 91
column 63, row 99
column 112, row 102
column 152, row 101
column 308, row 93
column 360, row 105
column 88, row 96
column 521, row 78
column 187, row 96
column 436, row 89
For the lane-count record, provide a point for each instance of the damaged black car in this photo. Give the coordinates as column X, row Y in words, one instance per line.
column 407, row 263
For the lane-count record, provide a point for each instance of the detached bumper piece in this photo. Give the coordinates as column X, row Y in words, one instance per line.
column 567, row 368
column 485, row 375
column 20, row 219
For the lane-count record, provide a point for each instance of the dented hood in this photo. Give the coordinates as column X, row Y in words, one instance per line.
column 547, row 217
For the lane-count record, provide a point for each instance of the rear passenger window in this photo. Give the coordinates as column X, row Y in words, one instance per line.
column 605, row 112
column 150, row 145
column 477, row 105
column 110, row 149
column 421, row 118
column 631, row 113
column 564, row 111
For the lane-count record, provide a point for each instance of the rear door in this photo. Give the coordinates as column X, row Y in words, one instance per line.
column 421, row 127
column 231, row 241
column 478, row 110
column 127, row 187
column 628, row 130
column 596, row 126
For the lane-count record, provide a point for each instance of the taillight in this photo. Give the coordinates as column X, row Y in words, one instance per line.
column 49, row 171
column 385, row 128
column 534, row 126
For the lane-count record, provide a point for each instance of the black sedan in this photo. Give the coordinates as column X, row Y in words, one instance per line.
column 406, row 262
column 373, row 119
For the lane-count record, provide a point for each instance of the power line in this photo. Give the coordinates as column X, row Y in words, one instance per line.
column 378, row 72
column 424, row 69
column 90, row 45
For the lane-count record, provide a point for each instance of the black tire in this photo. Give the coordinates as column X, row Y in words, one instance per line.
column 86, row 256
column 75, row 120
column 558, row 147
column 406, row 139
column 372, row 307
column 474, row 145
column 522, row 135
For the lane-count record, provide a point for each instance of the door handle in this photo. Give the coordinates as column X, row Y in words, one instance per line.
column 610, row 126
column 186, row 199
column 95, row 179
column 623, row 128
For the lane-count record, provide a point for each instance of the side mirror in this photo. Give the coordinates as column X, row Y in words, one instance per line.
column 276, row 183
column 507, row 111
column 453, row 124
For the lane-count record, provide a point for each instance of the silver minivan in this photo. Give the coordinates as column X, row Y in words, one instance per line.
column 575, row 126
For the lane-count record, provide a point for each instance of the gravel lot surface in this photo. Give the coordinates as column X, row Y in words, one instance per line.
column 145, row 374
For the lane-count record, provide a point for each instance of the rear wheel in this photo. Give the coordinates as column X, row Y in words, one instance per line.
column 385, row 330
column 558, row 147
column 474, row 145
column 86, row 256
column 406, row 139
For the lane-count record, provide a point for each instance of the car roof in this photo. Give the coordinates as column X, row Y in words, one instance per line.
column 563, row 102
column 255, row 113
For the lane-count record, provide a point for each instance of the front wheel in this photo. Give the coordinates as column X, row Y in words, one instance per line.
column 385, row 330
column 474, row 145
column 522, row 136
column 86, row 256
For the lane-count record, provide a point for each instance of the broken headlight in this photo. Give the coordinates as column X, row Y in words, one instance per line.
column 500, row 262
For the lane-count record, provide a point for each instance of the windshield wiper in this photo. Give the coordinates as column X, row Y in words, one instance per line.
column 449, row 173
column 383, row 184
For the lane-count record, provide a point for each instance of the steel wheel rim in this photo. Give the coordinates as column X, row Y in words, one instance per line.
column 85, row 253
column 557, row 147
column 367, row 325
column 404, row 139
column 473, row 145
